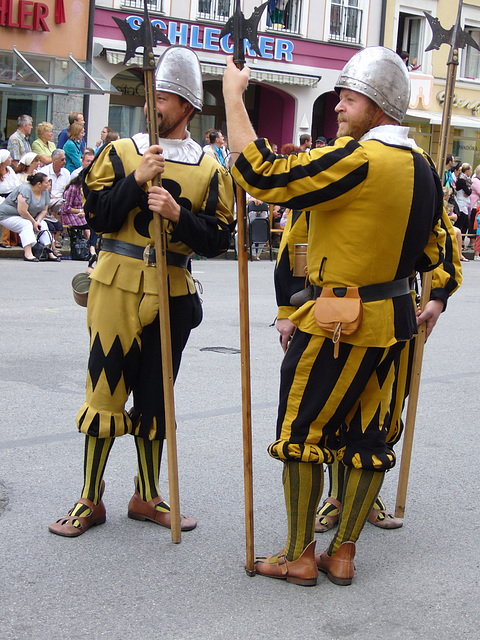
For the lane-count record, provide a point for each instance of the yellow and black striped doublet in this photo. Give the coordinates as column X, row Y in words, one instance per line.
column 375, row 213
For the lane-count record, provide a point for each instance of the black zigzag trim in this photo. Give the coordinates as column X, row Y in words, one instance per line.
column 114, row 363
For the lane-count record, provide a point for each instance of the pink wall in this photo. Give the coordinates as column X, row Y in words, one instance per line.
column 276, row 115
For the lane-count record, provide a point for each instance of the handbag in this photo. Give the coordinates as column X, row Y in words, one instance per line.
column 338, row 310
column 79, row 249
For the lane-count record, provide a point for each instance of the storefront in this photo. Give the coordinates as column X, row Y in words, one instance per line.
column 285, row 83
column 425, row 117
column 43, row 73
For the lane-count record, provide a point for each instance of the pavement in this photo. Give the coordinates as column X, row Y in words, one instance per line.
column 127, row 580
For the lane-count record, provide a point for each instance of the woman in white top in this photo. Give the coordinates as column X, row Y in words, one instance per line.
column 24, row 210
column 8, row 182
column 27, row 166
column 8, row 179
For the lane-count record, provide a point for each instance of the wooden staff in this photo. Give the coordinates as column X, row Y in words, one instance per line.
column 412, row 403
column 457, row 39
column 145, row 36
column 241, row 29
column 164, row 321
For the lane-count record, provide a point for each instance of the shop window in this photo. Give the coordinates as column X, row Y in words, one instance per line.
column 284, row 15
column 215, row 9
column 346, row 21
column 153, row 5
column 471, row 58
column 410, row 38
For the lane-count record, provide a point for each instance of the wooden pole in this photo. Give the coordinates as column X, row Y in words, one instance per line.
column 457, row 39
column 164, row 321
column 412, row 403
column 245, row 373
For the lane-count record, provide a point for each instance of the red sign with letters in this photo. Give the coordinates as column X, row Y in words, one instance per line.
column 29, row 15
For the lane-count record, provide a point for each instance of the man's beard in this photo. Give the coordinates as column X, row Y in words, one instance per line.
column 360, row 126
column 166, row 125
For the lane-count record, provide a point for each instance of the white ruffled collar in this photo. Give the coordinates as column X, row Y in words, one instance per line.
column 186, row 150
column 390, row 134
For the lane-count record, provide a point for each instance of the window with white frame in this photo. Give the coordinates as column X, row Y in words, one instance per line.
column 153, row 5
column 284, row 15
column 346, row 21
column 215, row 9
column 470, row 67
column 410, row 38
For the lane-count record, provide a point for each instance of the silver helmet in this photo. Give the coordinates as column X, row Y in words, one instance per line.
column 178, row 71
column 381, row 75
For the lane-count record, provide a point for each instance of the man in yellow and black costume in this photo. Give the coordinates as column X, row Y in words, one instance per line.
column 375, row 207
column 196, row 203
column 447, row 277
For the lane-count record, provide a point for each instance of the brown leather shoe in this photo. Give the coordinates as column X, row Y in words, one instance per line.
column 302, row 571
column 139, row 509
column 64, row 526
column 331, row 521
column 384, row 520
column 339, row 567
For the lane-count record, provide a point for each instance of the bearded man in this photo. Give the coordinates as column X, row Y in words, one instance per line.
column 196, row 203
column 364, row 241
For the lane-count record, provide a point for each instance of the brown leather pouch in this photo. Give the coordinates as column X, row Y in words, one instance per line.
column 339, row 310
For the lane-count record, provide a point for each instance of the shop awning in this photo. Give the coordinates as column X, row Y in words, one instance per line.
column 216, row 70
column 435, row 117
column 20, row 71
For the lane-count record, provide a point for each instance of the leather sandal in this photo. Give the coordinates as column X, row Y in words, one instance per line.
column 384, row 520
column 139, row 509
column 302, row 571
column 65, row 527
column 331, row 521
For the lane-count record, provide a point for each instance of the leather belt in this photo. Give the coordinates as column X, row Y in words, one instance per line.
column 147, row 254
column 368, row 293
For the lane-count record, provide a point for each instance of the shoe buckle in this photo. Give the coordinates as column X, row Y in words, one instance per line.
column 282, row 559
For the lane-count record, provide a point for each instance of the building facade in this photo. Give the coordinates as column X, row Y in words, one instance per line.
column 303, row 46
column 47, row 47
column 407, row 29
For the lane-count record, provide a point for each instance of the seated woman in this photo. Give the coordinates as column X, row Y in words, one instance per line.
column 24, row 210
column 44, row 146
column 8, row 181
column 73, row 154
column 27, row 166
column 101, row 143
column 72, row 209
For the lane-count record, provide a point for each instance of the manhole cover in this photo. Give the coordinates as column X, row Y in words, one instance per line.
column 221, row 349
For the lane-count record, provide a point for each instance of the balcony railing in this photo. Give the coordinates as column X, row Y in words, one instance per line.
column 286, row 19
column 153, row 5
column 345, row 23
column 216, row 10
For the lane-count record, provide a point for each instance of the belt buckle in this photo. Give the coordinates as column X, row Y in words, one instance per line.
column 146, row 256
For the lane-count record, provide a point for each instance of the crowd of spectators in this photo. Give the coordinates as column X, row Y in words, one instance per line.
column 40, row 186
column 461, row 187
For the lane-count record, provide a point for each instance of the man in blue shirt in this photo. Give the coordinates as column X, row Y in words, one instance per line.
column 75, row 116
column 216, row 149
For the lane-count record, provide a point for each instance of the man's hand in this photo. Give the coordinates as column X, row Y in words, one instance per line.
column 161, row 201
column 430, row 315
column 235, row 81
column 286, row 329
column 151, row 165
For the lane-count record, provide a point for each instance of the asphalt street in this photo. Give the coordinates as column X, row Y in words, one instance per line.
column 126, row 580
